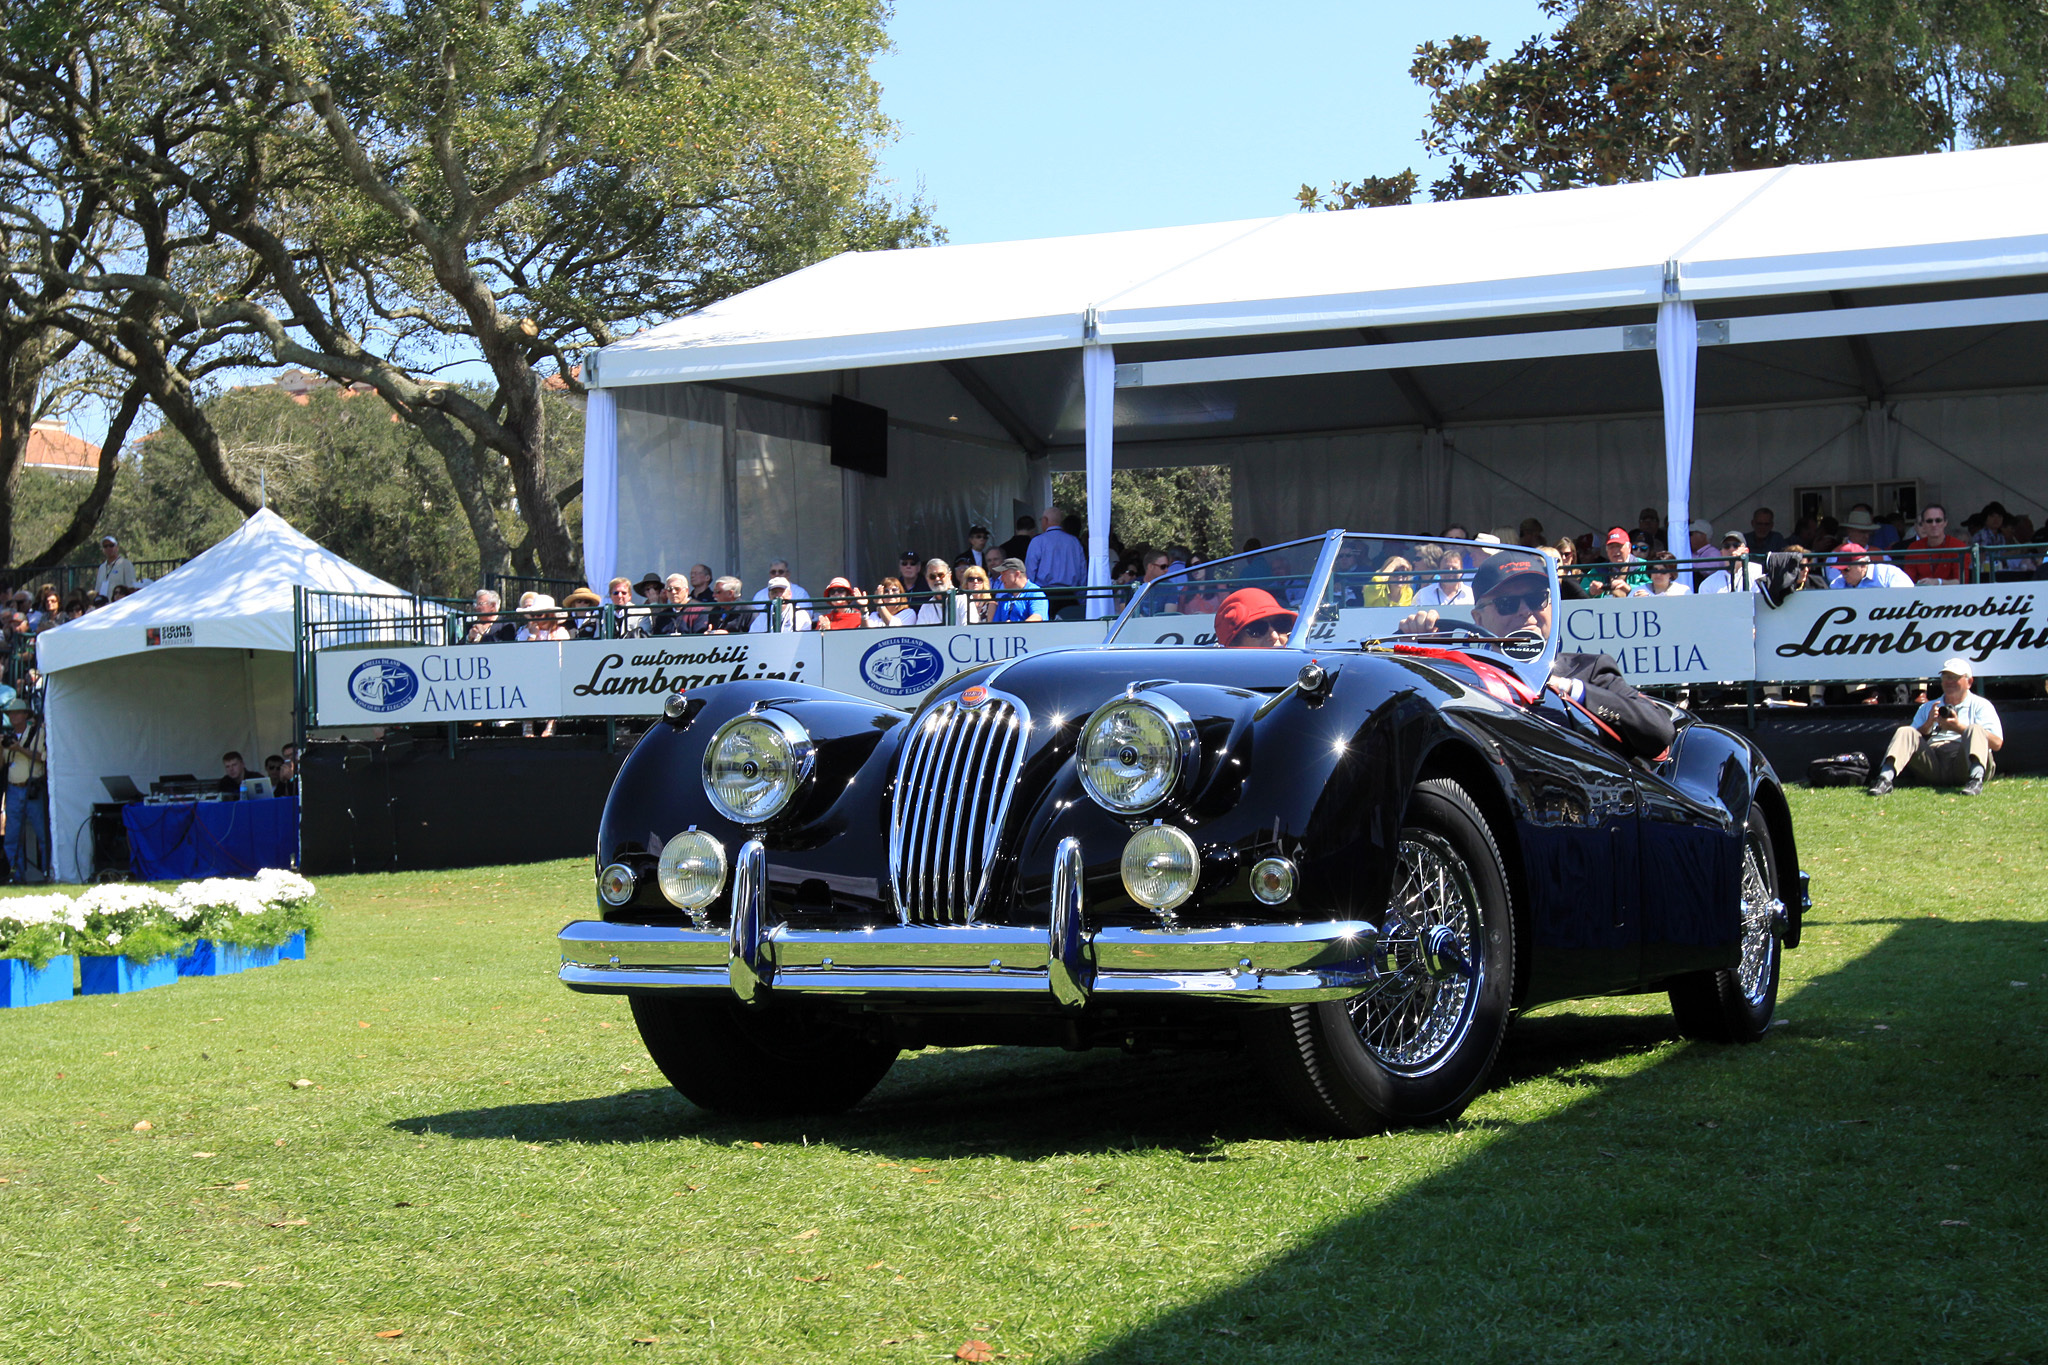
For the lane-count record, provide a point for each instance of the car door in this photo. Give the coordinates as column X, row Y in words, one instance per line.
column 1581, row 856
column 1691, row 855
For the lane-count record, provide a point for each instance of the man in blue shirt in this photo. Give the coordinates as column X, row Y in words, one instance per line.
column 1056, row 559
column 1020, row 599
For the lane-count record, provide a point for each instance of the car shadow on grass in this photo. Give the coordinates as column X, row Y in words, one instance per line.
column 1863, row 1184
column 1026, row 1103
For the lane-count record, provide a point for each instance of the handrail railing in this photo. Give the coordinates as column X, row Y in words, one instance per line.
column 70, row 578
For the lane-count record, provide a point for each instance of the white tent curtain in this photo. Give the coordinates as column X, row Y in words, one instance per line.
column 600, row 489
column 935, row 490
column 1678, row 349
column 145, row 715
column 1098, row 384
column 670, row 491
column 788, row 495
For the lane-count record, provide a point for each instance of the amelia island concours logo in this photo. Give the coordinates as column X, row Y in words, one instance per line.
column 901, row 666
column 383, row 685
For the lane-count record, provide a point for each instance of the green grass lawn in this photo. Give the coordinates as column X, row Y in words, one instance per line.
column 490, row 1166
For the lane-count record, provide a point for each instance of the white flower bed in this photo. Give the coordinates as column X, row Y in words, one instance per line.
column 142, row 922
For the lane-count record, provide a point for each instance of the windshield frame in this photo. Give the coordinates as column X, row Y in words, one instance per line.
column 1329, row 547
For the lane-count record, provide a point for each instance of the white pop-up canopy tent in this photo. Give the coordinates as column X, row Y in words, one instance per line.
column 1805, row 334
column 194, row 665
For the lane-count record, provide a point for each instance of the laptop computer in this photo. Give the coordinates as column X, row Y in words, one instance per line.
column 254, row 788
column 122, row 789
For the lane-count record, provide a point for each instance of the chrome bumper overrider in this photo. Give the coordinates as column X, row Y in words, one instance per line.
column 1066, row 961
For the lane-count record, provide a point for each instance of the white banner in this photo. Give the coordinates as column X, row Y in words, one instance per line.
column 1661, row 641
column 411, row 686
column 1821, row 636
column 897, row 667
column 634, row 677
column 1847, row 635
column 522, row 681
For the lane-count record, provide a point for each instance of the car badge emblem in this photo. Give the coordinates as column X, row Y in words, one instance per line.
column 974, row 696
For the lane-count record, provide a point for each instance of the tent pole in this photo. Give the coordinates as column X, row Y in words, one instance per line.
column 1098, row 384
column 1678, row 346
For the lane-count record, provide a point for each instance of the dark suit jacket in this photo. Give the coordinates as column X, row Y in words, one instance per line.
column 1644, row 726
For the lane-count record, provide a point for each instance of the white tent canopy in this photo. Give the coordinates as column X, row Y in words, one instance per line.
column 1849, row 225
column 1888, row 283
column 167, row 680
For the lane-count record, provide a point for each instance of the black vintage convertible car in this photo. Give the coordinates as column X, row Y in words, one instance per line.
column 1355, row 852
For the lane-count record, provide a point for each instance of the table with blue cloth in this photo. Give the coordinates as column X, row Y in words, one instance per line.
column 188, row 840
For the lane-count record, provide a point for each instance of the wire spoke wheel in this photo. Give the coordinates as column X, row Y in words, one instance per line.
column 1734, row 1004
column 1760, row 909
column 1419, row 1044
column 1421, row 1013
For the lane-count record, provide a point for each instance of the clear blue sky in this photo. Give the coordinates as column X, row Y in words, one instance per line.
column 1039, row 118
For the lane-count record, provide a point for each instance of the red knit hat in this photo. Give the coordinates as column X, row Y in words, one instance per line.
column 1243, row 607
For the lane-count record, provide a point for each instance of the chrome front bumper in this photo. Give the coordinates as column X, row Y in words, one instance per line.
column 1277, row 963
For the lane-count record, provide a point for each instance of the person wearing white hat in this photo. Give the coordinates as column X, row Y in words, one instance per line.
column 544, row 621
column 115, row 571
column 1951, row 740
column 1702, row 547
column 777, row 599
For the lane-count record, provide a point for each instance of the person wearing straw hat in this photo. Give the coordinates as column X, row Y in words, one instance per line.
column 1951, row 740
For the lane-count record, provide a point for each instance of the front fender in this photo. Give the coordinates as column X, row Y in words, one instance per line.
column 833, row 834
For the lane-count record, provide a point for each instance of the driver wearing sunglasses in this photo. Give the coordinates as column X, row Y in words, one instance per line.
column 1512, row 596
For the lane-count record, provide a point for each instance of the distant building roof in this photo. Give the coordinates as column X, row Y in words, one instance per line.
column 50, row 446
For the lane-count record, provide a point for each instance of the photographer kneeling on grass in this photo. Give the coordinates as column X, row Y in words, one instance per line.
column 1951, row 739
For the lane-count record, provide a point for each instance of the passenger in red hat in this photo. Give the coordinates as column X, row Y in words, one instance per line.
column 842, row 611
column 1250, row 618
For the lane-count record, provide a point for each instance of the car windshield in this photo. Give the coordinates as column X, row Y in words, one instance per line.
column 1378, row 589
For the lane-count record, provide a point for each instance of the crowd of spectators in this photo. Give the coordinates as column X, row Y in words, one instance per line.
column 1036, row 575
column 1040, row 573
column 1859, row 550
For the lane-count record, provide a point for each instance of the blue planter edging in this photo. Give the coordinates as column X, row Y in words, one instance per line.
column 117, row 975
column 206, row 957
column 22, row 985
column 201, row 959
column 293, row 949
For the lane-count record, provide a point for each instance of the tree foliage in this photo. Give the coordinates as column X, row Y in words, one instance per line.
column 337, row 466
column 393, row 192
column 1630, row 90
column 1154, row 508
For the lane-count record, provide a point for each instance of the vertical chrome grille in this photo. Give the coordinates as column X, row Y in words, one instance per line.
column 953, row 784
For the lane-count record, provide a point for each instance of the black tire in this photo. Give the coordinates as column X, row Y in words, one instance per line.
column 1735, row 1004
column 729, row 1059
column 1417, row 1049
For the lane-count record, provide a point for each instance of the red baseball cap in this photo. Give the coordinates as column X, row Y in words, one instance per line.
column 1618, row 534
column 1850, row 547
column 1245, row 606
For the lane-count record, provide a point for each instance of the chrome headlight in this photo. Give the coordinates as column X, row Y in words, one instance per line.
column 691, row 870
column 1134, row 752
column 1160, row 865
column 755, row 765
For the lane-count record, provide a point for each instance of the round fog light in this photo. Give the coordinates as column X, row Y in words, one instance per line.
column 691, row 870
column 1160, row 864
column 615, row 884
column 1273, row 881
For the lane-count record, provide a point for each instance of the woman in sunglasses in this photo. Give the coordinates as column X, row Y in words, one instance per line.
column 1251, row 618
